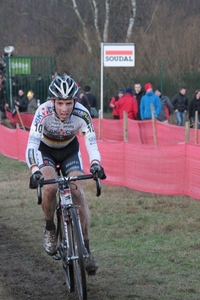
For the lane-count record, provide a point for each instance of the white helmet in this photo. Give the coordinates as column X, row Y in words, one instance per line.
column 63, row 88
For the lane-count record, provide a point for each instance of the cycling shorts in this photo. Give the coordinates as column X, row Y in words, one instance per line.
column 69, row 157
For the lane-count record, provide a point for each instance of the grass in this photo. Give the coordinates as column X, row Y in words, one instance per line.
column 147, row 245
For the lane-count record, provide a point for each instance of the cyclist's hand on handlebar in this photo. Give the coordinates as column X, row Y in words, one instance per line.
column 98, row 169
column 36, row 178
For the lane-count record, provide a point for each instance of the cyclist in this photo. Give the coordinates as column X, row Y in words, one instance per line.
column 52, row 140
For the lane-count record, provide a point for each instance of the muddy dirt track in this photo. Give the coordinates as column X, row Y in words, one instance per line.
column 26, row 271
column 27, row 274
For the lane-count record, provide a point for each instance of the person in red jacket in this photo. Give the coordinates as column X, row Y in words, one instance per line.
column 113, row 103
column 129, row 104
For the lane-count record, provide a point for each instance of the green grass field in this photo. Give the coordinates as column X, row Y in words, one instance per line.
column 147, row 246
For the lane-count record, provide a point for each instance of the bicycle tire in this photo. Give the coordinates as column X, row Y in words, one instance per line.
column 78, row 251
column 64, row 250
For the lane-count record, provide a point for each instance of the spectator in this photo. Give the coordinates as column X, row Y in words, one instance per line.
column 32, row 103
column 3, row 107
column 83, row 100
column 166, row 108
column 21, row 101
column 139, row 92
column 53, row 75
column 93, row 102
column 3, row 82
column 180, row 105
column 79, row 85
column 40, row 88
column 149, row 98
column 66, row 73
column 24, row 84
column 2, row 64
column 113, row 102
column 127, row 103
column 15, row 84
column 193, row 107
column 56, row 74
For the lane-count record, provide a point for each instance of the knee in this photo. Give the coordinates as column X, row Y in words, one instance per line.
column 77, row 192
column 78, row 195
column 50, row 190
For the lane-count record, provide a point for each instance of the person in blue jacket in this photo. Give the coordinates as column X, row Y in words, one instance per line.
column 149, row 98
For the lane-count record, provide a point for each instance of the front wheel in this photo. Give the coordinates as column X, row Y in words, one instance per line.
column 64, row 246
column 78, row 256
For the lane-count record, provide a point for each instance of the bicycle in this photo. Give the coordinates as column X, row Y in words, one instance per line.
column 70, row 244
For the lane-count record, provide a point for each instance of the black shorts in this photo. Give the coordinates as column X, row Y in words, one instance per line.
column 68, row 158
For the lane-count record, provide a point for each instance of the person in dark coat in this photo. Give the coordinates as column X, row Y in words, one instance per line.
column 138, row 93
column 193, row 107
column 180, row 105
column 83, row 100
column 21, row 101
column 166, row 108
column 3, row 107
column 92, row 100
column 40, row 88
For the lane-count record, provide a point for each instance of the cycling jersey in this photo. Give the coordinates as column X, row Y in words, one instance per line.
column 49, row 129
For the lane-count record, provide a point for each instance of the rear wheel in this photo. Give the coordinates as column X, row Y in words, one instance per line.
column 78, row 255
column 64, row 246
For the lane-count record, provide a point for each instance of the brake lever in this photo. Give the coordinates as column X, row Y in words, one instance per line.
column 39, row 193
column 98, row 184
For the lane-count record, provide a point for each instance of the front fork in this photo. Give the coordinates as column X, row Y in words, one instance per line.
column 63, row 245
column 85, row 252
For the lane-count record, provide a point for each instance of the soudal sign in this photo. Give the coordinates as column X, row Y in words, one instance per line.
column 119, row 55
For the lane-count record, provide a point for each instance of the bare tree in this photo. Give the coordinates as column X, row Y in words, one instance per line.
column 106, row 23
column 131, row 21
column 94, row 7
column 103, row 20
column 71, row 32
column 83, row 24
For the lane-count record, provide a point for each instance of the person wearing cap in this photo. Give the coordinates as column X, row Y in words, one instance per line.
column 166, row 108
column 193, row 107
column 150, row 98
column 32, row 103
column 127, row 103
column 180, row 104
column 113, row 103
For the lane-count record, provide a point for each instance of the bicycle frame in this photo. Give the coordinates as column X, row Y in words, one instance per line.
column 71, row 247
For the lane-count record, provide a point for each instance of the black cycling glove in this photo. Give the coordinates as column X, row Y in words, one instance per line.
column 96, row 168
column 36, row 178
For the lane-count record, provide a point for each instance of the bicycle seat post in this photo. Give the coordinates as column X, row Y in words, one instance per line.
column 58, row 170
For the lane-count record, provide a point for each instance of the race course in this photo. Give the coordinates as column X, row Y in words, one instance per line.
column 147, row 245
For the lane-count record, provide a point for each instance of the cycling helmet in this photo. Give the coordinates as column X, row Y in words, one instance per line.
column 63, row 88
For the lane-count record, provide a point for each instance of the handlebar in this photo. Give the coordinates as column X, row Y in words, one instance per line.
column 67, row 179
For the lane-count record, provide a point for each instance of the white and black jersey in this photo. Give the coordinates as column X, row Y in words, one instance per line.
column 48, row 129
